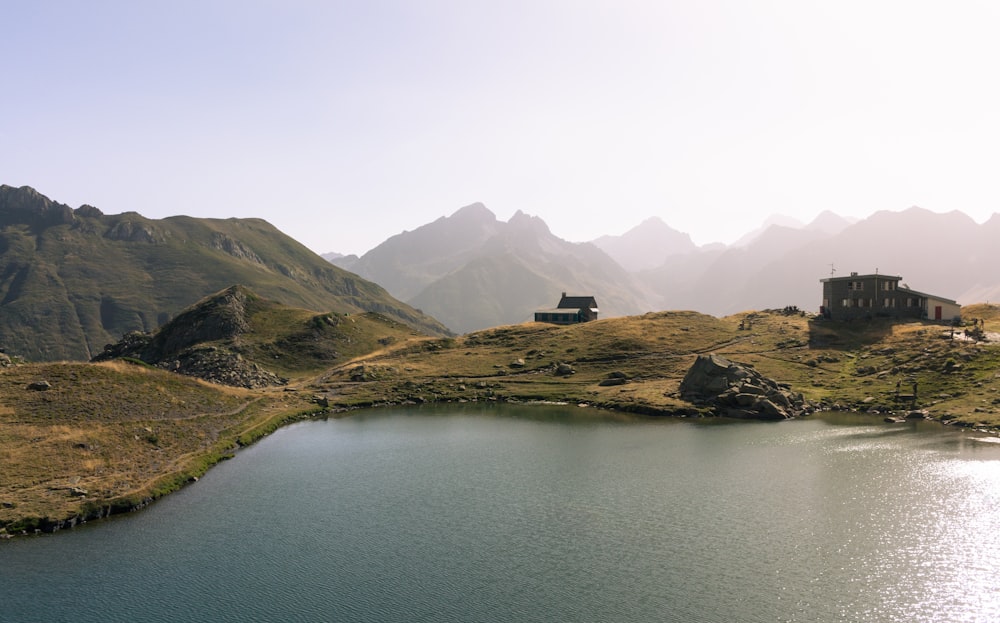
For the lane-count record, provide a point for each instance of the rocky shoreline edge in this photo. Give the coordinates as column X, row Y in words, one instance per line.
column 715, row 387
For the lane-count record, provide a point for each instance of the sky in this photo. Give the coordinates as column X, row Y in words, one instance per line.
column 345, row 123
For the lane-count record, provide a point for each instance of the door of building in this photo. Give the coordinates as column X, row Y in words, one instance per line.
column 937, row 312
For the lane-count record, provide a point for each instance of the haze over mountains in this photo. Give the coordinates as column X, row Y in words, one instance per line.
column 472, row 271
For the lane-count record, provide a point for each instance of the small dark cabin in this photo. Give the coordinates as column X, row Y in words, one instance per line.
column 570, row 310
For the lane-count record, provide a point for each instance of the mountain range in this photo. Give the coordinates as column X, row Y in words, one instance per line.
column 73, row 280
column 473, row 271
column 948, row 255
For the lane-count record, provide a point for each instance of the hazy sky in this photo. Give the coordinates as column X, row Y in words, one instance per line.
column 344, row 123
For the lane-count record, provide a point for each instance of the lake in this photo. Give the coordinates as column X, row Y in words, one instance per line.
column 525, row 513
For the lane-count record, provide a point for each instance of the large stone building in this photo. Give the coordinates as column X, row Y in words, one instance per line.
column 865, row 296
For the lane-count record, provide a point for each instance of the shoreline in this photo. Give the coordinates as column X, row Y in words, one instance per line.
column 168, row 483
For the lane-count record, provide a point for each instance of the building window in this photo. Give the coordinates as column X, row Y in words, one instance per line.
column 855, row 285
column 845, row 303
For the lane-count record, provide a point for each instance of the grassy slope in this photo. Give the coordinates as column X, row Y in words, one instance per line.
column 68, row 289
column 835, row 365
column 122, row 432
column 118, row 434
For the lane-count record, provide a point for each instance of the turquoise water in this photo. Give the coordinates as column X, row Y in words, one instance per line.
column 546, row 514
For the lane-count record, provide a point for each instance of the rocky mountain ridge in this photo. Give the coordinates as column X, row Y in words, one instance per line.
column 74, row 280
column 236, row 337
column 472, row 271
column 781, row 264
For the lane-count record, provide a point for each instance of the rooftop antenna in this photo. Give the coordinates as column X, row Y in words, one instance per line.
column 832, row 269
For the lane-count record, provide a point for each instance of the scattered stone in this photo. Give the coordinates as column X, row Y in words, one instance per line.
column 614, row 378
column 564, row 369
column 40, row 386
column 517, row 363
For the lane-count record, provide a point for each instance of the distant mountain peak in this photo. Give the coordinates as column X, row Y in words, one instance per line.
column 780, row 220
column 647, row 245
column 829, row 222
column 474, row 211
column 525, row 222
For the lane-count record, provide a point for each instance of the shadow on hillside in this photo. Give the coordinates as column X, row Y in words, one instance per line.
column 849, row 334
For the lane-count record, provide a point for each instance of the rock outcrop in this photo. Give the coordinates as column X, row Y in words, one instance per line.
column 202, row 342
column 737, row 390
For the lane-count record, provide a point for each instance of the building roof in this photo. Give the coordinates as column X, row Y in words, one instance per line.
column 577, row 302
column 856, row 277
column 927, row 296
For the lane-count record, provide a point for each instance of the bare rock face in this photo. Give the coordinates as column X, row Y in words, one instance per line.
column 201, row 342
column 737, row 390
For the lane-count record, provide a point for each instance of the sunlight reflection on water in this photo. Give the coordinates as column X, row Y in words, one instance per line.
column 451, row 515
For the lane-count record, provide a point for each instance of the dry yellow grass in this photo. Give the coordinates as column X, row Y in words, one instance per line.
column 120, row 432
column 114, row 431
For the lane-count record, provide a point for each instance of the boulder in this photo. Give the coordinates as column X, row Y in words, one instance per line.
column 614, row 378
column 611, row 382
column 737, row 390
column 564, row 369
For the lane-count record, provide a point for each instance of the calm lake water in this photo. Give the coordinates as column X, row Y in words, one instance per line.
column 546, row 514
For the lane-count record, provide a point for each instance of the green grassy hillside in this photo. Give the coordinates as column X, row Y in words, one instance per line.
column 72, row 281
column 236, row 337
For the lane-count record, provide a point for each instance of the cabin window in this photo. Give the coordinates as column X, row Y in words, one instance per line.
column 845, row 303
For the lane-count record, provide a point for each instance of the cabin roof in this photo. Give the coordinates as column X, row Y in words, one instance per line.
column 577, row 302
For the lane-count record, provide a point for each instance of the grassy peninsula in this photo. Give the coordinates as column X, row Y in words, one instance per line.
column 83, row 440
